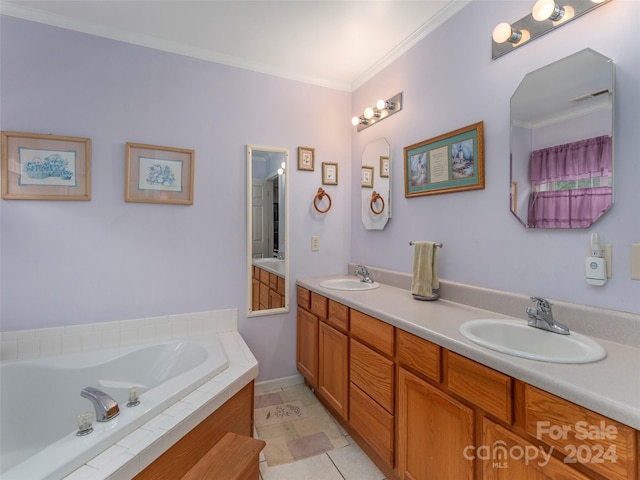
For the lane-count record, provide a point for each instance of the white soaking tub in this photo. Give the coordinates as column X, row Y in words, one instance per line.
column 40, row 400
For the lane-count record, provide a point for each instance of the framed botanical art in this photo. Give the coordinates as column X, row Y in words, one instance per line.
column 385, row 167
column 452, row 162
column 155, row 174
column 366, row 177
column 306, row 158
column 45, row 167
column 329, row 173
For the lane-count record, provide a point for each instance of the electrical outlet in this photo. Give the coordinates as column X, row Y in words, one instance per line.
column 315, row 243
column 635, row 261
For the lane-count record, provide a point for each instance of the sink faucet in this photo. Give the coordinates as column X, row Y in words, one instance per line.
column 363, row 273
column 542, row 317
column 106, row 407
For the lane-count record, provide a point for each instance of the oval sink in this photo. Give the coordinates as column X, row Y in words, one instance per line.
column 519, row 339
column 348, row 284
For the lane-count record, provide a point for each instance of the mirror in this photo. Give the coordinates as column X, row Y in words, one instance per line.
column 267, row 230
column 562, row 143
column 375, row 183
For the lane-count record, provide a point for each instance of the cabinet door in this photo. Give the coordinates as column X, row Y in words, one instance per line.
column 508, row 457
column 333, row 382
column 307, row 348
column 433, row 432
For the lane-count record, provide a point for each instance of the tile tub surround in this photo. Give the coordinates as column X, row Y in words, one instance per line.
column 609, row 387
column 136, row 451
column 27, row 344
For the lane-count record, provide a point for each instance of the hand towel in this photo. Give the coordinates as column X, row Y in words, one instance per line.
column 425, row 275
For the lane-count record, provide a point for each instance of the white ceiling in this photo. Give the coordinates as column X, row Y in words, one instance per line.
column 334, row 43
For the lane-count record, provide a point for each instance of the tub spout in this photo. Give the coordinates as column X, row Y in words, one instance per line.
column 106, row 407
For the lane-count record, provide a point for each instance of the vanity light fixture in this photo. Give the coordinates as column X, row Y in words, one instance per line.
column 382, row 110
column 546, row 15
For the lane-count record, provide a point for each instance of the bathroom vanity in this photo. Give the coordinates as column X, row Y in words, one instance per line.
column 425, row 403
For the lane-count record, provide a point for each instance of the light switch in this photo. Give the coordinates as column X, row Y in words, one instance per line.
column 635, row 261
column 315, row 243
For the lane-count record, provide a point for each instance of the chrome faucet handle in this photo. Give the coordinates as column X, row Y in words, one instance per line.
column 542, row 304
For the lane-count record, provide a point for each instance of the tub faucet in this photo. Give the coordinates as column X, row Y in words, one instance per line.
column 542, row 317
column 106, row 407
column 363, row 273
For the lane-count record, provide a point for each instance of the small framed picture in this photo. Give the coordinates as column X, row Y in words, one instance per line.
column 329, row 173
column 306, row 158
column 385, row 167
column 156, row 174
column 45, row 167
column 366, row 177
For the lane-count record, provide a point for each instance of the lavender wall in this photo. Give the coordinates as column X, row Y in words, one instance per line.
column 66, row 263
column 449, row 81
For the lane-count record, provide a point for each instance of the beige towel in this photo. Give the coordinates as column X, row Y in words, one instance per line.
column 425, row 275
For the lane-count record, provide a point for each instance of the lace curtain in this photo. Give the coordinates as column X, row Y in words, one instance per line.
column 571, row 183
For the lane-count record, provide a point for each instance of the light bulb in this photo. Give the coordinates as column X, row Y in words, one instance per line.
column 355, row 121
column 502, row 32
column 283, row 166
column 546, row 10
column 368, row 113
column 280, row 171
column 381, row 104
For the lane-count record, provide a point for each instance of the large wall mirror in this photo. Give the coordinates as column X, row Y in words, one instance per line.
column 562, row 143
column 375, row 184
column 267, row 230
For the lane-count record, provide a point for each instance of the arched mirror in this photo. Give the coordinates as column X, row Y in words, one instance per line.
column 267, row 230
column 375, row 184
column 562, row 143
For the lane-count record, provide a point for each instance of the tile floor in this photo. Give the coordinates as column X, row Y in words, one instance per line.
column 347, row 463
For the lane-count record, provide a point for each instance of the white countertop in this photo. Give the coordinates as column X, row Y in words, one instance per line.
column 273, row 265
column 610, row 386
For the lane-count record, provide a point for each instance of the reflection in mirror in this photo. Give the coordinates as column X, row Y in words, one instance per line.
column 375, row 182
column 267, row 230
column 562, row 143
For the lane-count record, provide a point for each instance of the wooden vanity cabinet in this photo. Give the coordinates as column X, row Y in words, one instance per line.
column 307, row 346
column 333, row 368
column 267, row 289
column 422, row 412
column 433, row 432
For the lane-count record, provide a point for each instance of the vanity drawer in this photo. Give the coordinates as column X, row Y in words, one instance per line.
column 318, row 305
column 273, row 281
column 303, row 297
column 483, row 386
column 373, row 373
column 419, row 354
column 373, row 422
column 603, row 445
column 338, row 315
column 373, row 332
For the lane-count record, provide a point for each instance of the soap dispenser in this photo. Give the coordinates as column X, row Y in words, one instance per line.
column 595, row 265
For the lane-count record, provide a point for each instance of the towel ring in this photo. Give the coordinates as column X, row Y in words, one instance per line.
column 375, row 196
column 319, row 196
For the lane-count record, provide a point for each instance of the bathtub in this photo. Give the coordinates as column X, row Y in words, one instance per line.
column 40, row 400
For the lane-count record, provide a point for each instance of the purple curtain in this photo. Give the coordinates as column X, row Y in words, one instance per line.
column 575, row 208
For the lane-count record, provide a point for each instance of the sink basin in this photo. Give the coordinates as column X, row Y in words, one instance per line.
column 352, row 284
column 518, row 339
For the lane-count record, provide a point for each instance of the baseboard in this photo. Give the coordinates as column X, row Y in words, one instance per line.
column 278, row 383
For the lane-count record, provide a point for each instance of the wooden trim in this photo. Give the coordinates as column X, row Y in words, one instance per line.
column 235, row 415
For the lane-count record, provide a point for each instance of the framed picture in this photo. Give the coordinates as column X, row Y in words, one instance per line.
column 306, row 158
column 385, row 167
column 329, row 173
column 45, row 167
column 156, row 174
column 366, row 177
column 452, row 162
